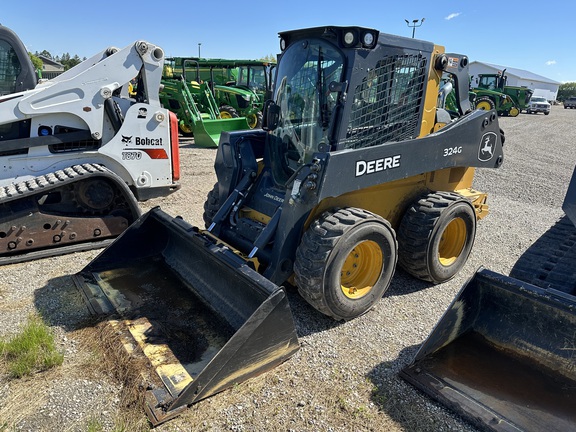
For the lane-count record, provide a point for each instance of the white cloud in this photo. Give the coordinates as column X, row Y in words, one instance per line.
column 550, row 62
column 452, row 16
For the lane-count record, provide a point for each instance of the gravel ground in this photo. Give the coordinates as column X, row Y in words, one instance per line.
column 345, row 375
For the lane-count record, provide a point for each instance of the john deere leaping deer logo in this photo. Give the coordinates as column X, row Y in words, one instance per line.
column 487, row 146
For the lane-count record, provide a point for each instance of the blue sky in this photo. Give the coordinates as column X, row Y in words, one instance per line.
column 536, row 36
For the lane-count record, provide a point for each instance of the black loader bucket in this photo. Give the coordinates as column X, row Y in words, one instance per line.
column 569, row 204
column 204, row 319
column 503, row 356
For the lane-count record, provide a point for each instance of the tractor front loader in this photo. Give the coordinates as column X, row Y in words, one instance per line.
column 360, row 166
column 77, row 152
column 197, row 111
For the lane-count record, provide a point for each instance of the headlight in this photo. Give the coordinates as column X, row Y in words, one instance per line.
column 349, row 38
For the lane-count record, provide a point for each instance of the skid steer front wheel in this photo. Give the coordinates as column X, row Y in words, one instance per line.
column 345, row 262
column 436, row 236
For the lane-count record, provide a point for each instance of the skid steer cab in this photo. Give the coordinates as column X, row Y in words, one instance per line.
column 361, row 165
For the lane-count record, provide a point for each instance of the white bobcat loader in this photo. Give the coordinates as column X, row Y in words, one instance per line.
column 76, row 152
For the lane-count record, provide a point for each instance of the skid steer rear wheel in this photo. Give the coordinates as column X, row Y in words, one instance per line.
column 345, row 262
column 436, row 236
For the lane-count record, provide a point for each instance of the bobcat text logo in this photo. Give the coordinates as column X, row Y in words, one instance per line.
column 148, row 141
column 373, row 166
column 126, row 139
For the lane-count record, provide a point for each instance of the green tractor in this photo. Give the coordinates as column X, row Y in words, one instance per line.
column 493, row 93
column 240, row 87
column 196, row 109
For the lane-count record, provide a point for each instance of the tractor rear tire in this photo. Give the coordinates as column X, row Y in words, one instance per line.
column 484, row 103
column 345, row 262
column 227, row 112
column 211, row 205
column 436, row 235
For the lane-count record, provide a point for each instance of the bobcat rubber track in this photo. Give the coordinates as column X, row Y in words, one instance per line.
column 19, row 198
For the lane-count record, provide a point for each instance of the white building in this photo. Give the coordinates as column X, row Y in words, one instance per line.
column 542, row 86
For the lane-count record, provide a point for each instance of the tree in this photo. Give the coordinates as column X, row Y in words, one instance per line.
column 67, row 61
column 36, row 61
column 566, row 90
column 44, row 53
column 269, row 58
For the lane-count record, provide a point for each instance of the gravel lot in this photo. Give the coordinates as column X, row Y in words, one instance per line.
column 344, row 378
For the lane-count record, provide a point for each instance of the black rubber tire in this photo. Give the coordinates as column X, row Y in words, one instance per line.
column 211, row 205
column 323, row 253
column 184, row 132
column 227, row 111
column 254, row 120
column 486, row 100
column 422, row 229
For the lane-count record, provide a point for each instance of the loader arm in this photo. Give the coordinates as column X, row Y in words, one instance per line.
column 84, row 90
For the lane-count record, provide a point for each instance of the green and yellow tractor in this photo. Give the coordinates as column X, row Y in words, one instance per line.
column 493, row 93
column 240, row 87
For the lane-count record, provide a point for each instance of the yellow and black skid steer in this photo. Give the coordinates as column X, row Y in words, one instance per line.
column 504, row 353
column 361, row 164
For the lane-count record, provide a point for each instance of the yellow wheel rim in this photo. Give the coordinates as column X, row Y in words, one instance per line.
column 452, row 242
column 185, row 128
column 225, row 115
column 361, row 270
column 252, row 120
column 483, row 105
column 514, row 112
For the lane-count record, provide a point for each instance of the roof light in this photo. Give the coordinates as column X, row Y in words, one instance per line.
column 368, row 39
column 349, row 38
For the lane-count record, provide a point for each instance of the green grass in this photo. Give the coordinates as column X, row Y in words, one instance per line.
column 32, row 350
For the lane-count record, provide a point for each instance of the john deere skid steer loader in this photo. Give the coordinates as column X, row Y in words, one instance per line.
column 360, row 166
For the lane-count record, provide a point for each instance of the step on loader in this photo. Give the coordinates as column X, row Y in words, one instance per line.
column 360, row 165
column 504, row 353
column 77, row 151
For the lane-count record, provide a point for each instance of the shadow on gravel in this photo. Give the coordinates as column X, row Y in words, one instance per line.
column 309, row 321
column 188, row 143
column 412, row 410
column 61, row 304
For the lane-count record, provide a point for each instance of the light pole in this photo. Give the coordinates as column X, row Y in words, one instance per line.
column 199, row 43
column 415, row 23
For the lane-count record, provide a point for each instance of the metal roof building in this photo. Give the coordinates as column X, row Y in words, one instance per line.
column 541, row 85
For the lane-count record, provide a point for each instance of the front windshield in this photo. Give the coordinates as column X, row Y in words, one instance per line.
column 306, row 103
column 253, row 77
